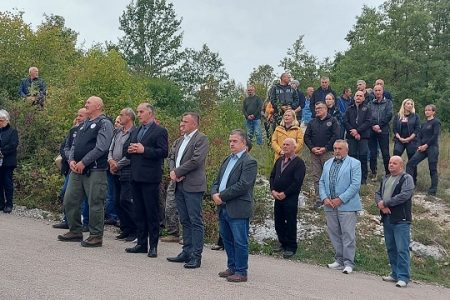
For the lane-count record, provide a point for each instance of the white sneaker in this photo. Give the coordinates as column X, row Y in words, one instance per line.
column 388, row 278
column 335, row 266
column 347, row 270
column 401, row 283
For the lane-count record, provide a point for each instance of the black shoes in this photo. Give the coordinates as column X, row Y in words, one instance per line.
column 193, row 263
column 111, row 222
column 62, row 225
column 137, row 249
column 180, row 258
column 7, row 209
column 85, row 228
column 122, row 236
column 152, row 252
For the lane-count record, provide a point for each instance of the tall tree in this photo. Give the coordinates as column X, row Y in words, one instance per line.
column 262, row 75
column 152, row 38
column 301, row 63
column 198, row 70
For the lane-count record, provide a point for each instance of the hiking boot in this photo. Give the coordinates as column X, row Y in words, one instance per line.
column 70, row 237
column 92, row 241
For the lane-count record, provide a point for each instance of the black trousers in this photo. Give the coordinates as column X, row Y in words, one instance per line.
column 410, row 148
column 6, row 186
column 359, row 150
column 382, row 140
column 432, row 153
column 285, row 215
column 124, row 205
column 146, row 206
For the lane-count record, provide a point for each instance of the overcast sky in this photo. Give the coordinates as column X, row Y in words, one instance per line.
column 246, row 33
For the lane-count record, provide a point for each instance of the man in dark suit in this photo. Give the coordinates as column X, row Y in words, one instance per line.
column 233, row 192
column 147, row 150
column 286, row 180
column 187, row 170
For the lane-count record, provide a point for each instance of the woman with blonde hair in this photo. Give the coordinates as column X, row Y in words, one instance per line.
column 406, row 127
column 288, row 128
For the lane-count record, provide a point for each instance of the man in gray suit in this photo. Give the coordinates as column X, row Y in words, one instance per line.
column 187, row 170
column 232, row 191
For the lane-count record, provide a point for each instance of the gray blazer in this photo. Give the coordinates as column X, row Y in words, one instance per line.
column 238, row 194
column 192, row 164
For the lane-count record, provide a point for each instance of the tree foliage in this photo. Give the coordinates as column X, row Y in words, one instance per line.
column 405, row 42
column 198, row 68
column 302, row 64
column 152, row 38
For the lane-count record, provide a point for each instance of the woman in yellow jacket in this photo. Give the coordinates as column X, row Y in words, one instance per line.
column 288, row 128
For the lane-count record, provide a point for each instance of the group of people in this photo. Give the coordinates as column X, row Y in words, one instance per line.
column 342, row 136
column 134, row 156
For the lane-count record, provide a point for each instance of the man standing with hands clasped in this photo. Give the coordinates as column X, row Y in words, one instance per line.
column 187, row 171
column 394, row 201
column 147, row 149
column 232, row 191
column 286, row 181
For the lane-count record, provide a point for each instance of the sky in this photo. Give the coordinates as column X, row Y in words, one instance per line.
column 245, row 33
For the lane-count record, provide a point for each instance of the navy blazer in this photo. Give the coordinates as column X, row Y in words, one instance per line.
column 148, row 166
column 238, row 194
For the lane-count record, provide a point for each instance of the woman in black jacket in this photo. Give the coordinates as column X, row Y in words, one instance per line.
column 406, row 128
column 9, row 140
column 428, row 147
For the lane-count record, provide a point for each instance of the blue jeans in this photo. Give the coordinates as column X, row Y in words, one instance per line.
column 110, row 211
column 254, row 127
column 397, row 237
column 189, row 206
column 234, row 233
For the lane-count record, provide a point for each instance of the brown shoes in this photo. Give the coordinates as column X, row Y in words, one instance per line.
column 70, row 237
column 170, row 239
column 92, row 241
column 237, row 278
column 226, row 273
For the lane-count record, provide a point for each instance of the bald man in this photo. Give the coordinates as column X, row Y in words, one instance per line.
column 88, row 161
column 393, row 198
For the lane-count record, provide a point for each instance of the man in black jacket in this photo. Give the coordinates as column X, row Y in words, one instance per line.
column 319, row 94
column 394, row 201
column 286, row 180
column 381, row 109
column 283, row 97
column 320, row 136
column 357, row 123
column 147, row 150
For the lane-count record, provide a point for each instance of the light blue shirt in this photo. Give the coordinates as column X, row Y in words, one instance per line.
column 231, row 163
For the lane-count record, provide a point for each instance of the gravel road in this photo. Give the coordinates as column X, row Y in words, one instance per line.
column 34, row 265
